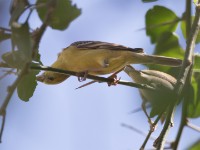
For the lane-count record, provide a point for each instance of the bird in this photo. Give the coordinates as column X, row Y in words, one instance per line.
column 162, row 95
column 100, row 58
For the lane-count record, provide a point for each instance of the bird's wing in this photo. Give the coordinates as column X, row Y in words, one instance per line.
column 104, row 45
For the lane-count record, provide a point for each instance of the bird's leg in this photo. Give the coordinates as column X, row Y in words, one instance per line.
column 115, row 80
column 82, row 76
column 152, row 125
column 114, row 77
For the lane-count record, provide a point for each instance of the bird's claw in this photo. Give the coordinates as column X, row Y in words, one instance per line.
column 82, row 76
column 115, row 80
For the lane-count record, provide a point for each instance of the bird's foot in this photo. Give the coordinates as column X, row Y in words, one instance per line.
column 82, row 76
column 114, row 77
column 115, row 80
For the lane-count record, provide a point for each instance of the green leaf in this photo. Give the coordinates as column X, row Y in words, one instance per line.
column 168, row 45
column 195, row 146
column 158, row 106
column 14, row 59
column 196, row 67
column 146, row 1
column 27, row 85
column 154, row 111
column 194, row 100
column 61, row 13
column 195, row 1
column 4, row 36
column 37, row 59
column 183, row 28
column 160, row 20
column 21, row 38
column 16, row 9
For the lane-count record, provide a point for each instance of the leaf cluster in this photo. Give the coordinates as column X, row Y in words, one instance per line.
column 161, row 27
column 58, row 14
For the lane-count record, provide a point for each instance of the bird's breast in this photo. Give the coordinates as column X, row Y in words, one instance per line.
column 96, row 62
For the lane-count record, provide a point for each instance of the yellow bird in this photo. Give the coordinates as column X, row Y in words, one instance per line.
column 99, row 58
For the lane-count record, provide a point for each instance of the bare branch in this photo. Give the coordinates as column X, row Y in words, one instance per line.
column 186, row 69
column 159, row 143
column 2, row 124
column 137, row 130
column 192, row 126
column 96, row 78
column 148, row 136
column 24, row 70
column 7, row 72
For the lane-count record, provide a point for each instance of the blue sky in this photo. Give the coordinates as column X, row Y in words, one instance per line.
column 60, row 117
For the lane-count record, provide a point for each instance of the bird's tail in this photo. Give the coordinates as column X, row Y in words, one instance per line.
column 162, row 60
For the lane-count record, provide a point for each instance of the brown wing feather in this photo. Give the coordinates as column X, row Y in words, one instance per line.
column 104, row 45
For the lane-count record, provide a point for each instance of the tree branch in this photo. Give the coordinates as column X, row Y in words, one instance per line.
column 188, row 59
column 185, row 74
column 24, row 70
column 192, row 126
column 182, row 124
column 2, row 125
column 160, row 141
column 136, row 130
column 96, row 78
column 4, row 65
column 149, row 134
column 5, row 29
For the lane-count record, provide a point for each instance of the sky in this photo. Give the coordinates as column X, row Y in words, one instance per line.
column 60, row 117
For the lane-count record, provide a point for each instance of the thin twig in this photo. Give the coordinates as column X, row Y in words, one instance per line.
column 194, row 127
column 2, row 124
column 139, row 109
column 148, row 136
column 188, row 18
column 184, row 113
column 4, row 65
column 96, row 78
column 25, row 69
column 159, row 143
column 7, row 73
column 188, row 58
column 186, row 68
column 12, row 88
column 137, row 130
column 5, row 29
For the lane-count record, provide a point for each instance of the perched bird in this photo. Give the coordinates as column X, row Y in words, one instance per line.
column 99, row 58
column 163, row 83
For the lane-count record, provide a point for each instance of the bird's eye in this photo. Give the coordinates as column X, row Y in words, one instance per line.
column 51, row 78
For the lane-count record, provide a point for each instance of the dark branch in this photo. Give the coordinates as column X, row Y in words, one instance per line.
column 186, row 70
column 24, row 70
column 96, row 78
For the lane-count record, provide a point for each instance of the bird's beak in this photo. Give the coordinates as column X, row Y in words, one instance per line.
column 40, row 78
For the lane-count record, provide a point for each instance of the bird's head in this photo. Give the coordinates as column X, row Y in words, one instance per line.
column 49, row 77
